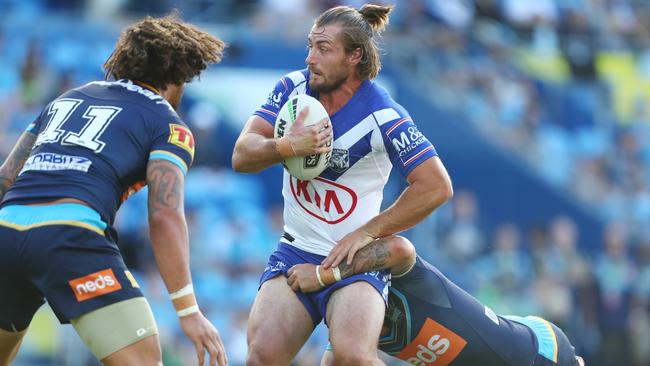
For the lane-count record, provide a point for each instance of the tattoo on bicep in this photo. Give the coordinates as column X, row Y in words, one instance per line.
column 165, row 186
column 15, row 161
column 371, row 258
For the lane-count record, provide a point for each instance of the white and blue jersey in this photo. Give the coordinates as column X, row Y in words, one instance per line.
column 372, row 134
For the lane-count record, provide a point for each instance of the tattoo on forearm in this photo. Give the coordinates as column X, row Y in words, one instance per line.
column 371, row 258
column 165, row 185
column 15, row 161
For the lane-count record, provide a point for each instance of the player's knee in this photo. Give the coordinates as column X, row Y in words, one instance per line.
column 260, row 355
column 402, row 249
column 355, row 358
column 351, row 355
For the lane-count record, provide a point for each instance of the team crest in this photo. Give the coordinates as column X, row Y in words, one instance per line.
column 181, row 136
column 340, row 160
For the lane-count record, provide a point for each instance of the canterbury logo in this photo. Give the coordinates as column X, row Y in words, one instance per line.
column 435, row 345
column 95, row 284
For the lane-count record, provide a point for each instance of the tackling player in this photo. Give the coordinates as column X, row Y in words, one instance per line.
column 69, row 173
column 431, row 321
column 337, row 213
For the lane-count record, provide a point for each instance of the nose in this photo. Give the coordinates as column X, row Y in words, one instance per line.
column 310, row 58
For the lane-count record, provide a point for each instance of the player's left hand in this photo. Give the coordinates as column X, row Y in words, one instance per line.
column 347, row 248
column 302, row 277
column 205, row 338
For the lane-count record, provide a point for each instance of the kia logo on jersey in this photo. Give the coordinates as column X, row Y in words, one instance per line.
column 435, row 345
column 324, row 199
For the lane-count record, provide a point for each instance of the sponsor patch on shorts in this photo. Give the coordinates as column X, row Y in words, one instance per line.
column 95, row 284
column 434, row 345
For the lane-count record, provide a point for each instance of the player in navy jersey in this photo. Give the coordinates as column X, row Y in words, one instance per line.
column 431, row 321
column 332, row 216
column 68, row 174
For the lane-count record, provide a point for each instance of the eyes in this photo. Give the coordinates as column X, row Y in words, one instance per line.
column 321, row 47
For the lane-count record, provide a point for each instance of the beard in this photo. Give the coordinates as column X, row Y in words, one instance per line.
column 328, row 84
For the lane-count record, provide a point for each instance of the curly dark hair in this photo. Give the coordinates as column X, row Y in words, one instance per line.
column 162, row 51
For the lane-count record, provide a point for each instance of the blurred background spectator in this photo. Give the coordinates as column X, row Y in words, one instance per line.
column 539, row 109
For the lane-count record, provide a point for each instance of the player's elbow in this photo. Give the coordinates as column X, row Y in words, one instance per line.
column 161, row 219
column 239, row 163
column 437, row 193
column 444, row 192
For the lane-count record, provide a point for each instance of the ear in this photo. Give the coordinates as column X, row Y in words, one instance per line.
column 355, row 56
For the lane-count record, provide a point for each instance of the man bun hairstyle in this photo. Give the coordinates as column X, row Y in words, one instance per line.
column 376, row 16
column 162, row 51
column 360, row 29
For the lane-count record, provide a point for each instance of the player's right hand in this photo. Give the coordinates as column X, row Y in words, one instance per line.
column 302, row 277
column 205, row 338
column 309, row 140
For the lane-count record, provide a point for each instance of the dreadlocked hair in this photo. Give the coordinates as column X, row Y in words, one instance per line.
column 162, row 51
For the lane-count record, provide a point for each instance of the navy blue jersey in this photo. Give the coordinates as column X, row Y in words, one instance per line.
column 94, row 143
column 431, row 321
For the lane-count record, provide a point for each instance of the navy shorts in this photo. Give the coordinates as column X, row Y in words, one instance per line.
column 566, row 353
column 286, row 256
column 554, row 348
column 60, row 253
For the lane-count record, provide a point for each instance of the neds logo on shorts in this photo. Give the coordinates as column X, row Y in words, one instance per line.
column 434, row 345
column 95, row 284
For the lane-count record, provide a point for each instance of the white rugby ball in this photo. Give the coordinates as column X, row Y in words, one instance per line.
column 302, row 167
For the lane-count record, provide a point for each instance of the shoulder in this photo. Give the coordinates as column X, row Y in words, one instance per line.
column 382, row 105
column 295, row 82
column 127, row 92
column 296, row 78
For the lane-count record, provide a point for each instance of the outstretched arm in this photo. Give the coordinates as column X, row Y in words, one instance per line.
column 170, row 242
column 15, row 161
column 394, row 253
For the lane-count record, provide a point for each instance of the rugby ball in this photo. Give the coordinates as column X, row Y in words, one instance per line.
column 302, row 167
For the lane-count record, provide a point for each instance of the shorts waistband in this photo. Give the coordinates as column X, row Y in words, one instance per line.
column 20, row 217
column 546, row 339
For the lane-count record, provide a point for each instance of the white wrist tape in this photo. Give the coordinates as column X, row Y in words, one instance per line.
column 187, row 311
column 320, row 280
column 337, row 273
column 188, row 289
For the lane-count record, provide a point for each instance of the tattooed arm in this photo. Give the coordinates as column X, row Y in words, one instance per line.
column 392, row 252
column 15, row 161
column 395, row 253
column 167, row 226
column 170, row 241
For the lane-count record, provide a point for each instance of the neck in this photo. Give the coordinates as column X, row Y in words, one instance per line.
column 148, row 86
column 336, row 99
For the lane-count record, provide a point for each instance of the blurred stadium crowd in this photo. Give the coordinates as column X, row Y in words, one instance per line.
column 563, row 85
